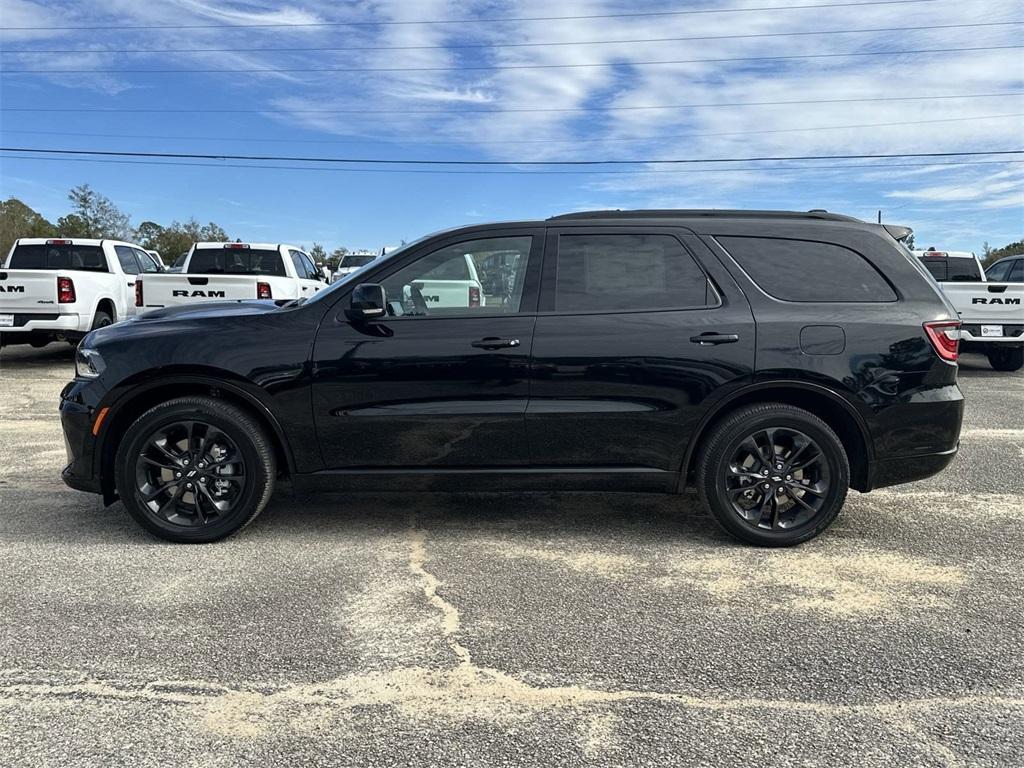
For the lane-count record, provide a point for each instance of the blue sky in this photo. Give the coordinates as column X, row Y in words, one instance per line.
column 437, row 108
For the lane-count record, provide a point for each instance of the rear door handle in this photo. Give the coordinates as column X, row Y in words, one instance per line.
column 493, row 342
column 706, row 339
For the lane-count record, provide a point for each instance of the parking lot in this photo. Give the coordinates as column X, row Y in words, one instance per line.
column 568, row 629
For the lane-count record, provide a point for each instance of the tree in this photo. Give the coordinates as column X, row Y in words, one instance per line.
column 334, row 260
column 992, row 255
column 93, row 215
column 318, row 254
column 148, row 235
column 18, row 220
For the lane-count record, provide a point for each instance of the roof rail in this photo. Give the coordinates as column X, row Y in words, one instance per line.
column 692, row 213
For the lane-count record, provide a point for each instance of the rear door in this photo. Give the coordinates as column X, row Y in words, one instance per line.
column 306, row 273
column 635, row 337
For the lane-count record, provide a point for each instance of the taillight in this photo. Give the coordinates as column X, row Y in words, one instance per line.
column 138, row 293
column 945, row 338
column 263, row 291
column 65, row 290
column 474, row 296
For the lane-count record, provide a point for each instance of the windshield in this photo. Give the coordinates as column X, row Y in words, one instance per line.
column 88, row 258
column 236, row 261
column 357, row 274
column 356, row 260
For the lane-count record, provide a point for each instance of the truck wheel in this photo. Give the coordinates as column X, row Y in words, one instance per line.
column 101, row 320
column 773, row 475
column 195, row 469
column 1006, row 358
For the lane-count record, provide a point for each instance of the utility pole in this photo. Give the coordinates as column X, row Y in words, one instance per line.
column 879, row 215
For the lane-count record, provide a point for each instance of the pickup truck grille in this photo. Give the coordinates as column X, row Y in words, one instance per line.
column 1008, row 330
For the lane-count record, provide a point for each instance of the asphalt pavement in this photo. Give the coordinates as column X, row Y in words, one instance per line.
column 512, row 629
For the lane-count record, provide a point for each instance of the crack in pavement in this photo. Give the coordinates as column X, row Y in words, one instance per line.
column 464, row 692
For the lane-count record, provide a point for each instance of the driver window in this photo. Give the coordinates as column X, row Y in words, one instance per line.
column 476, row 276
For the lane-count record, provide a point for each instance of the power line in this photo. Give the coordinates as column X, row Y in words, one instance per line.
column 662, row 137
column 394, row 23
column 194, row 110
column 478, row 172
column 474, row 46
column 384, row 161
column 501, row 67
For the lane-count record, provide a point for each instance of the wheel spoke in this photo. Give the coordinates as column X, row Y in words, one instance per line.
column 164, row 450
column 768, row 511
column 155, row 463
column 172, row 502
column 818, row 489
column 791, row 493
column 147, row 497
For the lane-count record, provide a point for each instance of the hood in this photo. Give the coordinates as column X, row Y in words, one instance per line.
column 159, row 321
column 207, row 309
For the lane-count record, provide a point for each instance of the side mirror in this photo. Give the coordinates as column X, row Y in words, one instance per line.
column 368, row 302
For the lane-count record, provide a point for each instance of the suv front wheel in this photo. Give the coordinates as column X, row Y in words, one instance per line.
column 195, row 469
column 773, row 474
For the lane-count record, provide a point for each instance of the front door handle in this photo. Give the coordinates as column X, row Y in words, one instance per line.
column 707, row 339
column 493, row 342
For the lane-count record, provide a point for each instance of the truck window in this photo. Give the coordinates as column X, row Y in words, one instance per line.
column 236, row 261
column 804, row 270
column 601, row 273
column 86, row 258
column 126, row 255
column 1017, row 272
column 350, row 260
column 951, row 269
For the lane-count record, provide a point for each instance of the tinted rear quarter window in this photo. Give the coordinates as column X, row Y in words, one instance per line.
column 808, row 271
column 86, row 258
column 605, row 273
column 236, row 261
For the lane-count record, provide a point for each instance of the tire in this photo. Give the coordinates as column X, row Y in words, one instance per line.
column 800, row 502
column 1006, row 358
column 223, row 447
column 101, row 320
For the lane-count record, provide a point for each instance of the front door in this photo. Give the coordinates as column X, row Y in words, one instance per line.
column 635, row 336
column 442, row 380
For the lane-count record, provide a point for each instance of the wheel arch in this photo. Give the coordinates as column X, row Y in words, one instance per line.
column 144, row 395
column 823, row 402
column 104, row 304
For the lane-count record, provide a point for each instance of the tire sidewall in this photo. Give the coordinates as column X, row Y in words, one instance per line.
column 138, row 434
column 725, row 447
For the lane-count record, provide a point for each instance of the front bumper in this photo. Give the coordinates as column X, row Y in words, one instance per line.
column 76, row 419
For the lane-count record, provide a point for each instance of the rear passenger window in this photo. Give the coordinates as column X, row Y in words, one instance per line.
column 126, row 256
column 1017, row 273
column 607, row 273
column 801, row 270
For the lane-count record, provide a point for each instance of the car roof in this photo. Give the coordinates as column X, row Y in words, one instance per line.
column 259, row 246
column 704, row 213
column 75, row 241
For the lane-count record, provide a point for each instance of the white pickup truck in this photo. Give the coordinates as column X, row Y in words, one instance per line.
column 234, row 272
column 991, row 314
column 59, row 289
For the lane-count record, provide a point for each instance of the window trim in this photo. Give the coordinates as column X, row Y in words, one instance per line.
column 548, row 287
column 897, row 296
column 531, row 286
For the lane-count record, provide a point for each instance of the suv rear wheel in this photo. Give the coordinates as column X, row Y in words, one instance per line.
column 1006, row 358
column 773, row 474
column 195, row 469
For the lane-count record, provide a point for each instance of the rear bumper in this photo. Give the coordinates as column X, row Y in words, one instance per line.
column 29, row 326
column 907, row 469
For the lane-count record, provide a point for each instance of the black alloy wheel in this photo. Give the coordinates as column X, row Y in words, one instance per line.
column 773, row 474
column 777, row 478
column 190, row 473
column 195, row 469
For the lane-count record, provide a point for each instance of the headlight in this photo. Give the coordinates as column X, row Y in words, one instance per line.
column 88, row 363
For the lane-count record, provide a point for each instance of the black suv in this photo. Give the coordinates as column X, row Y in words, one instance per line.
column 770, row 359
